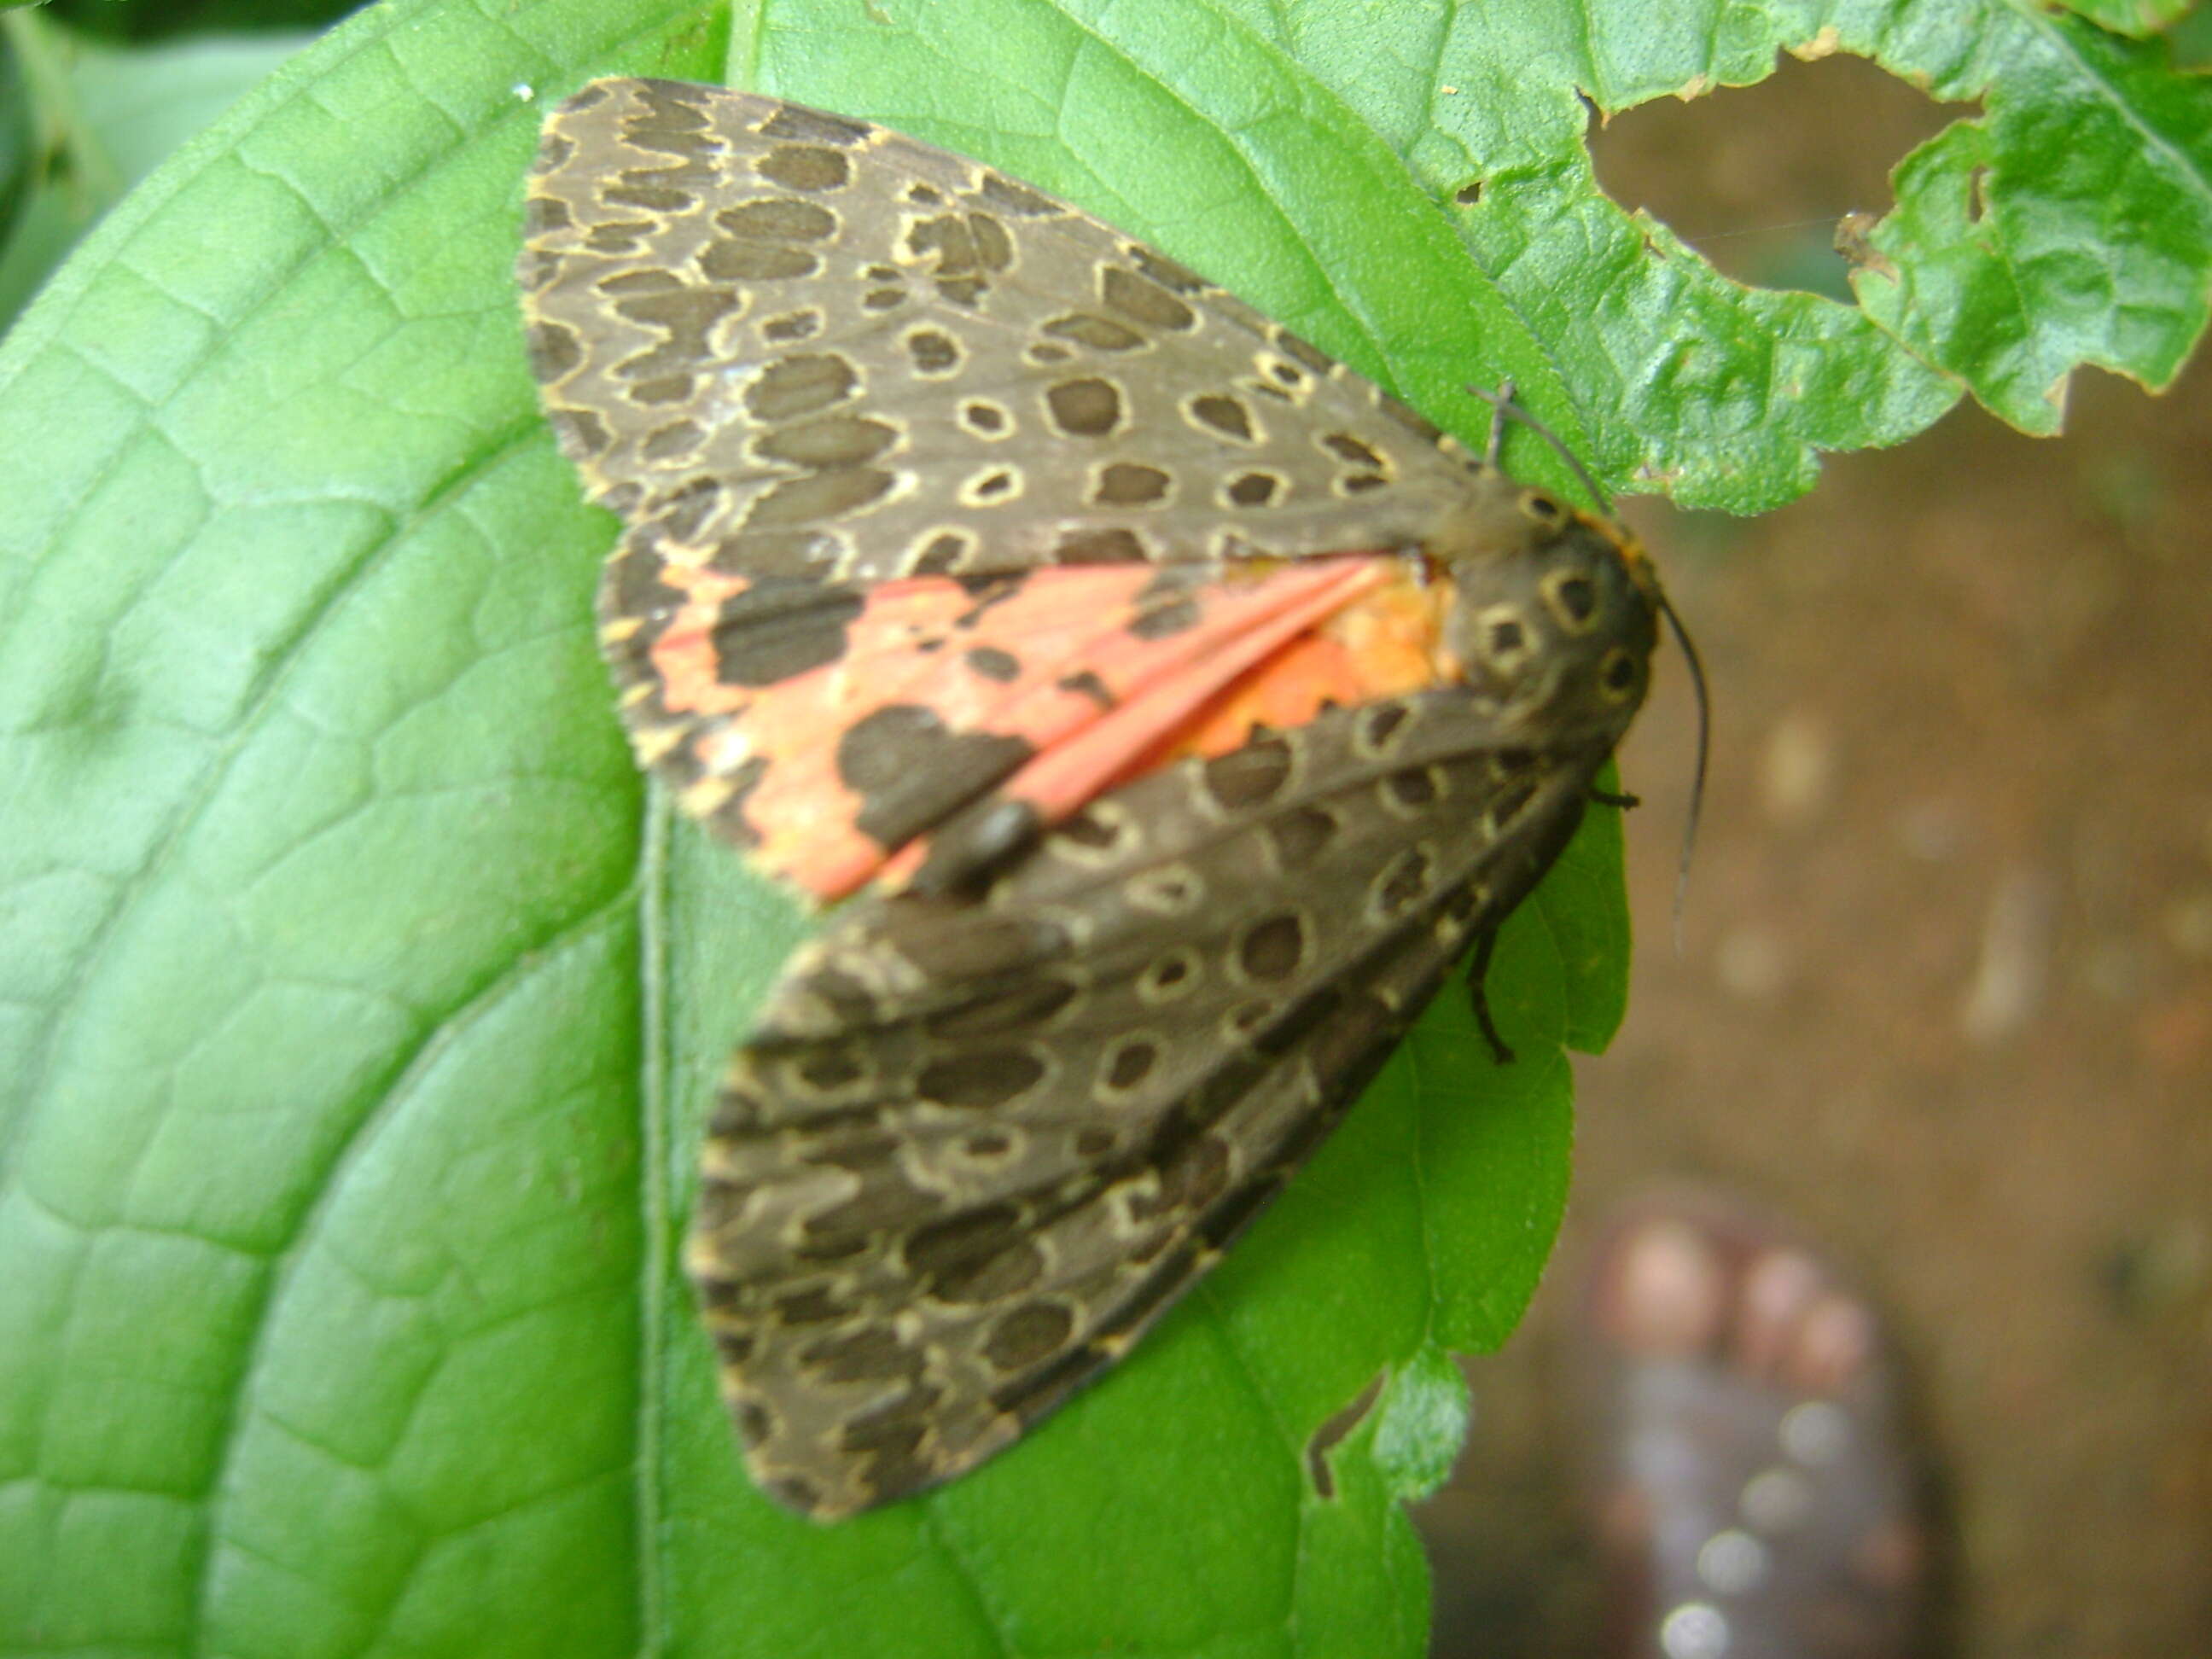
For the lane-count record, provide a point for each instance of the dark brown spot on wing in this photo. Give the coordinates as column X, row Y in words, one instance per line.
column 805, row 167
column 1022, row 1338
column 1249, row 776
column 1099, row 334
column 983, row 1254
column 1403, row 883
column 1126, row 483
column 1085, row 684
column 803, row 384
column 1021, row 1006
column 1160, row 621
column 797, row 121
column 1274, row 948
column 1083, row 408
column 911, row 770
column 1129, row 1062
column 1380, row 725
column 1189, row 1181
column 554, row 350
column 1144, row 302
column 932, row 351
column 759, row 641
column 988, row 662
column 1300, row 836
column 839, row 441
column 1100, row 547
column 869, row 1354
column 1223, row 414
column 1415, row 786
column 989, row 1077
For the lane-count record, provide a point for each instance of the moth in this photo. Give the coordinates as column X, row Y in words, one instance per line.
column 1180, row 706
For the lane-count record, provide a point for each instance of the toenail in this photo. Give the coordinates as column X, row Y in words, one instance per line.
column 1732, row 1563
column 1781, row 1282
column 1695, row 1630
column 1834, row 1344
column 1778, row 1288
column 1668, row 1293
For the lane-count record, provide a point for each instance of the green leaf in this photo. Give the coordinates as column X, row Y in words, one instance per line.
column 2072, row 225
column 358, row 1005
column 2090, row 244
column 149, row 20
column 2133, row 17
column 103, row 117
column 1422, row 1423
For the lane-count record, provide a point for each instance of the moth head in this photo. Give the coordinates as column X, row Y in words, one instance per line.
column 1554, row 616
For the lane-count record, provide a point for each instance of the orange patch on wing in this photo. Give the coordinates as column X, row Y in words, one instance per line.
column 909, row 644
column 1370, row 628
column 1387, row 645
column 1239, row 633
column 682, row 653
column 1088, row 664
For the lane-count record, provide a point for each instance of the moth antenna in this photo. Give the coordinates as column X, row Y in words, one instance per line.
column 1697, row 777
column 1501, row 401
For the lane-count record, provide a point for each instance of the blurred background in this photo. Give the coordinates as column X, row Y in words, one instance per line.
column 1944, row 998
column 1944, row 994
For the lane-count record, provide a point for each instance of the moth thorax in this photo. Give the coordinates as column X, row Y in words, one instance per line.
column 1557, row 633
column 1493, row 518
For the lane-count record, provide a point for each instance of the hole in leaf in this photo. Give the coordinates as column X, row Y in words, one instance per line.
column 1469, row 195
column 1331, row 1433
column 1756, row 178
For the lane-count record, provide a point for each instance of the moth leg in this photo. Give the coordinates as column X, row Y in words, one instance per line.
column 1477, row 992
column 1499, row 400
column 1609, row 798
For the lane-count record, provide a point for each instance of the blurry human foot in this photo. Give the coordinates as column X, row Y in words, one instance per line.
column 1755, row 1498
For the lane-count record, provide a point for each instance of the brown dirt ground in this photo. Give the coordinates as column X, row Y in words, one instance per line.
column 1945, row 997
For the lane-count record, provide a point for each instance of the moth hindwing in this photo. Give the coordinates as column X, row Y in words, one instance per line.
column 1184, row 704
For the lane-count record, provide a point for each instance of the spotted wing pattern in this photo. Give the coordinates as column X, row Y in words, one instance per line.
column 845, row 720
column 1212, row 700
column 805, row 357
column 803, row 346
column 974, row 1147
column 978, row 1141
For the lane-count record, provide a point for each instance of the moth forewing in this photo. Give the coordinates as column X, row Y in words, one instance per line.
column 1039, row 1151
